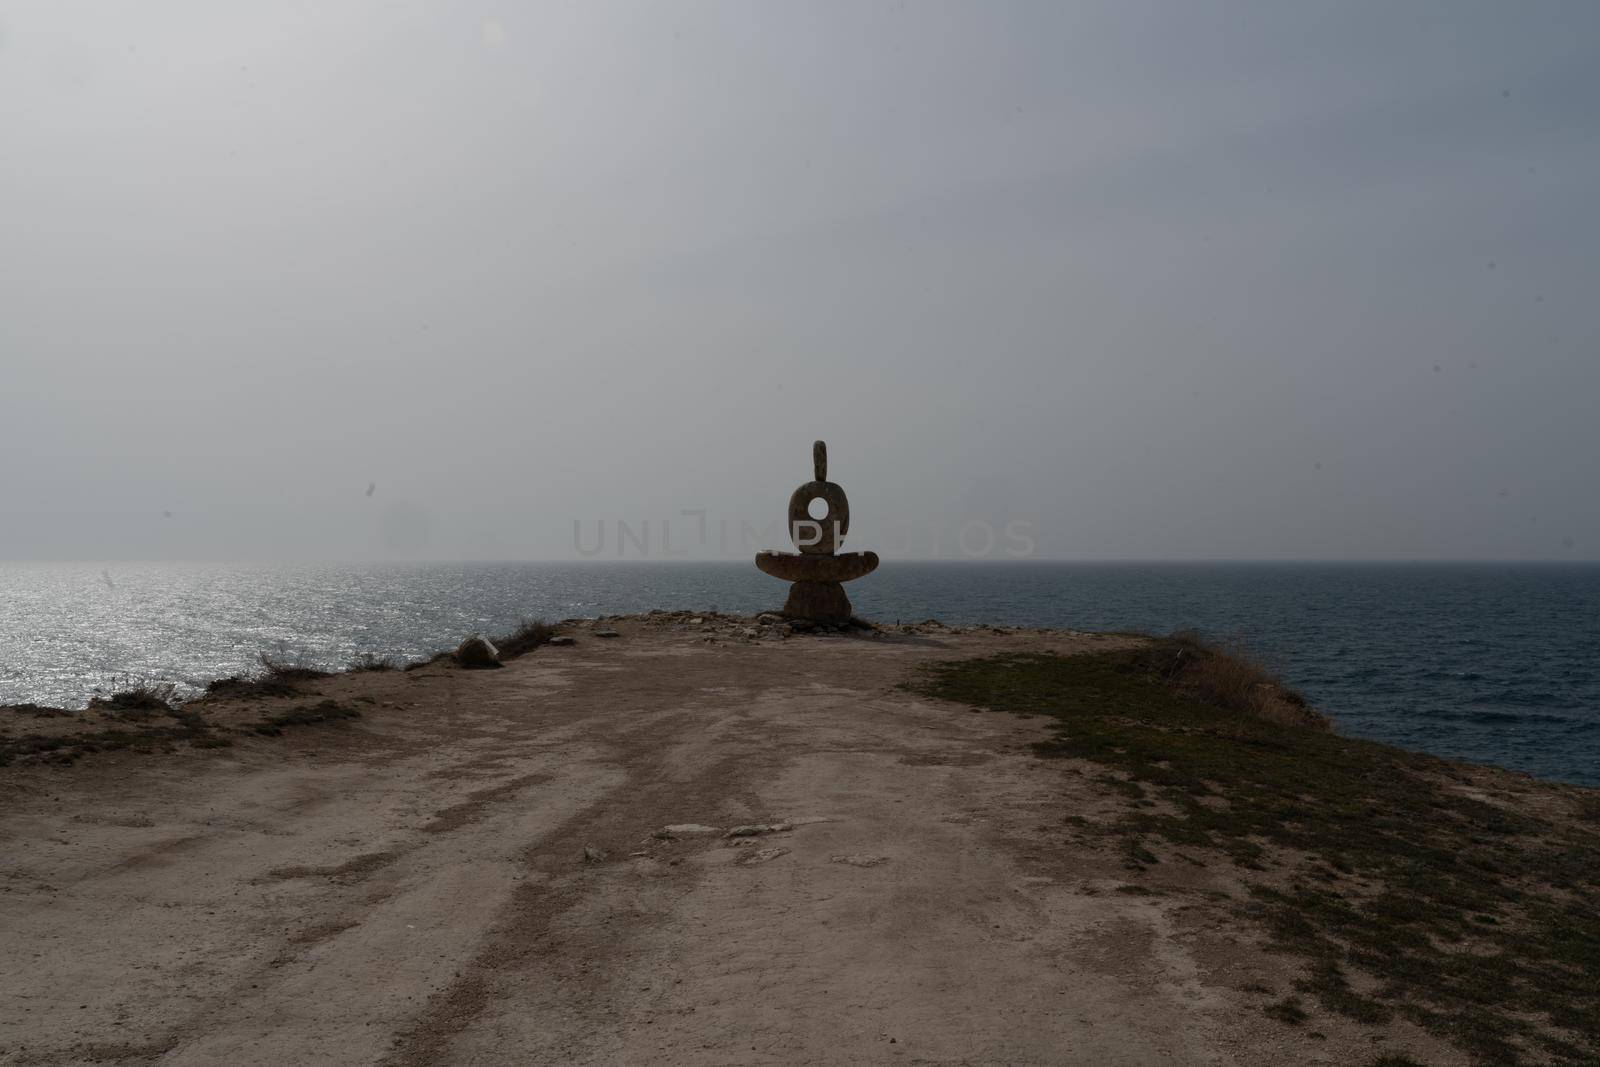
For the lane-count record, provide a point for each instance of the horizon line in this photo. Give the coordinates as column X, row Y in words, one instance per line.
column 613, row 561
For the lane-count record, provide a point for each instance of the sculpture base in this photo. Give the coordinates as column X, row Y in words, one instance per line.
column 822, row 602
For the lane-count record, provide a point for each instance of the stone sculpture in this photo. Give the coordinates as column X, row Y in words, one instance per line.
column 819, row 569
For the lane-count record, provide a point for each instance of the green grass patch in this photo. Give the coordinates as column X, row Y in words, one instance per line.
column 148, row 730
column 1478, row 921
column 157, row 732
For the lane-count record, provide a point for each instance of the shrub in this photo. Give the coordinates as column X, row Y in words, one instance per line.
column 139, row 701
column 276, row 679
column 524, row 639
column 1228, row 676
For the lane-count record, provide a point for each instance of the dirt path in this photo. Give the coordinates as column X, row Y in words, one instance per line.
column 477, row 872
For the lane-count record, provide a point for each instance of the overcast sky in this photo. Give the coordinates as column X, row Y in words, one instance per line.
column 1165, row 281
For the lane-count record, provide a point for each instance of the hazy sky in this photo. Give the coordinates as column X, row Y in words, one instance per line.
column 1172, row 280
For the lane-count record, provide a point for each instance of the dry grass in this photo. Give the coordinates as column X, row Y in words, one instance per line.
column 524, row 639
column 39, row 711
column 290, row 672
column 1226, row 675
column 148, row 718
column 137, row 701
column 276, row 679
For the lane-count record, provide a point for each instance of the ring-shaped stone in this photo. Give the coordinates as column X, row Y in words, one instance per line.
column 835, row 524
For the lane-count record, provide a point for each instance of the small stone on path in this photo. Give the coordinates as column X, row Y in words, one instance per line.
column 750, row 859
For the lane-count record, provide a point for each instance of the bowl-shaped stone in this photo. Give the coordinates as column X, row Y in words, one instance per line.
column 845, row 567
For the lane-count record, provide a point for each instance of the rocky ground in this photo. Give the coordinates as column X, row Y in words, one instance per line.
column 700, row 840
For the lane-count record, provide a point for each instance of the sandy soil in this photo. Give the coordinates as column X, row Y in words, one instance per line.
column 479, row 871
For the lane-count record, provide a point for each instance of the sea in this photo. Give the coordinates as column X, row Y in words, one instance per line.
column 1494, row 663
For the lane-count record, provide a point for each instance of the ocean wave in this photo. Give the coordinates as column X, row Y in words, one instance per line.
column 1525, row 698
column 1500, row 717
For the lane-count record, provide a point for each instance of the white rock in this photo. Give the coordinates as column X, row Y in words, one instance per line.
column 477, row 651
